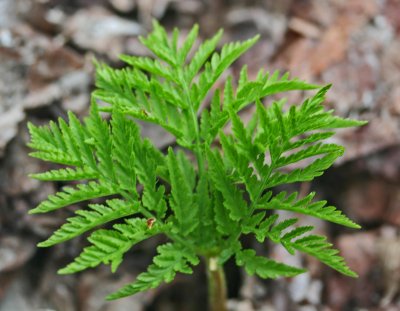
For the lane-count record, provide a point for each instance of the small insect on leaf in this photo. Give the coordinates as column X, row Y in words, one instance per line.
column 150, row 222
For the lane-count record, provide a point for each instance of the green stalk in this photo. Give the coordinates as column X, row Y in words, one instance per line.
column 193, row 114
column 217, row 296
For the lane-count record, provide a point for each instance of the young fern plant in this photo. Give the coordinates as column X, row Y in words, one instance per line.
column 204, row 206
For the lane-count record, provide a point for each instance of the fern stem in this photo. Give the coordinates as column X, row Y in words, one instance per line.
column 261, row 188
column 217, row 296
column 198, row 153
column 193, row 114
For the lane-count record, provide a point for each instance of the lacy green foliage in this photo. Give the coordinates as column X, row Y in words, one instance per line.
column 203, row 205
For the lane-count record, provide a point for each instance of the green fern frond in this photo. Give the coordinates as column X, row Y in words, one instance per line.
column 305, row 206
column 147, row 162
column 54, row 143
column 265, row 85
column 274, row 234
column 55, row 157
column 69, row 195
column 206, row 229
column 313, row 245
column 86, row 220
column 201, row 56
column 101, row 139
column 243, row 140
column 44, row 139
column 124, row 137
column 214, row 184
column 241, row 164
column 307, row 173
column 294, row 233
column 66, row 174
column 311, row 151
column 182, row 199
column 312, row 138
column 171, row 258
column 317, row 247
column 78, row 142
column 149, row 65
column 218, row 64
column 276, row 85
column 263, row 267
column 108, row 246
column 183, row 51
column 226, row 226
column 158, row 42
column 233, row 200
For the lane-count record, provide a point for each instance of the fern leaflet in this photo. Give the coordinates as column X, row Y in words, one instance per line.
column 213, row 185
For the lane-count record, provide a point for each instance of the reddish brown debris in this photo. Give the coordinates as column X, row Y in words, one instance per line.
column 46, row 53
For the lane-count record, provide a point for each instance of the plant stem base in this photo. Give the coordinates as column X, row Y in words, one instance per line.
column 216, row 285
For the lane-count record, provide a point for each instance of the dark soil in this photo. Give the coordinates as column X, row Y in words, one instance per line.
column 46, row 52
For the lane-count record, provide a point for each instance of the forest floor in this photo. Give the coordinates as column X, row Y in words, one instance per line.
column 46, row 53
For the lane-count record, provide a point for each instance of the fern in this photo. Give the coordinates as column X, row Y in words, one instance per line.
column 89, row 219
column 263, row 267
column 202, row 206
column 171, row 259
column 110, row 245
